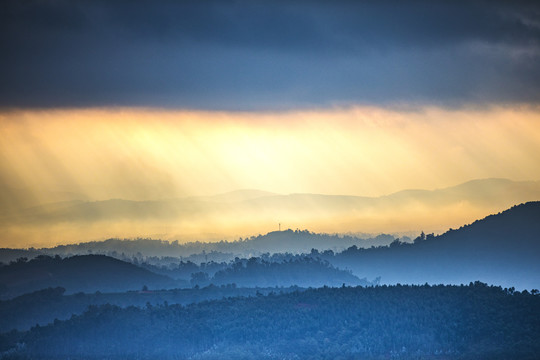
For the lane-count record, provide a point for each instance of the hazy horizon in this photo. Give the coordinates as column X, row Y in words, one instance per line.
column 198, row 121
column 157, row 104
column 245, row 213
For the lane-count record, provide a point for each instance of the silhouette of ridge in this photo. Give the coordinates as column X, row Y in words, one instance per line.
column 82, row 273
column 501, row 249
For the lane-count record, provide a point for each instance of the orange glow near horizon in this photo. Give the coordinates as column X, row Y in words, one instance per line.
column 148, row 154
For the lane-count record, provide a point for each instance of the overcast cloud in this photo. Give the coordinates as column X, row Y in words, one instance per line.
column 268, row 55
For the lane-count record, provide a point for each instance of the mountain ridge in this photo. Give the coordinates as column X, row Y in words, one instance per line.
column 501, row 249
column 243, row 212
column 460, row 189
column 80, row 273
column 253, row 194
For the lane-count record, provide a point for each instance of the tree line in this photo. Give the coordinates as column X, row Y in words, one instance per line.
column 475, row 321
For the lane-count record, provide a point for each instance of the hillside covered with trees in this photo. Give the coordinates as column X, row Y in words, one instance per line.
column 404, row 322
column 91, row 273
column 501, row 249
column 88, row 273
column 291, row 241
column 44, row 306
column 95, row 306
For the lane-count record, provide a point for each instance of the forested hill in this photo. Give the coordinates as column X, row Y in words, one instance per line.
column 273, row 242
column 91, row 273
column 399, row 322
column 302, row 241
column 88, row 273
column 301, row 271
column 500, row 249
column 515, row 229
column 44, row 306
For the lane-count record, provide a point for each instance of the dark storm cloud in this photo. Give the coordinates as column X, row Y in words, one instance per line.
column 267, row 54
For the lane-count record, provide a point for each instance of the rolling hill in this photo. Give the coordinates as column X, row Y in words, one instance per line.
column 273, row 242
column 396, row 322
column 85, row 273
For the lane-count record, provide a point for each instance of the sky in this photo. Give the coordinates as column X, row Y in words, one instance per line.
column 148, row 154
column 268, row 55
column 154, row 100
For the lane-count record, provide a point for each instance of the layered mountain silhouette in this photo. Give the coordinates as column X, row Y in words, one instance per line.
column 287, row 241
column 88, row 273
column 91, row 273
column 501, row 249
column 44, row 306
column 484, row 193
column 251, row 211
column 304, row 272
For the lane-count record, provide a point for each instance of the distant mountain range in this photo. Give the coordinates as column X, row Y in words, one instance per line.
column 287, row 241
column 252, row 211
column 481, row 193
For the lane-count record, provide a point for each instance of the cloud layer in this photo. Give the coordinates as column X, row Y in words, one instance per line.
column 261, row 55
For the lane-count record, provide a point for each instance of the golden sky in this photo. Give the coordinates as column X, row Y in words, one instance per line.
column 318, row 98
column 148, row 154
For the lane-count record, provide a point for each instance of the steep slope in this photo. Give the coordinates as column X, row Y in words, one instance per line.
column 87, row 273
column 501, row 249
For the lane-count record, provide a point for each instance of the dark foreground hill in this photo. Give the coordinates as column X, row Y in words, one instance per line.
column 501, row 249
column 400, row 322
column 87, row 273
column 44, row 306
